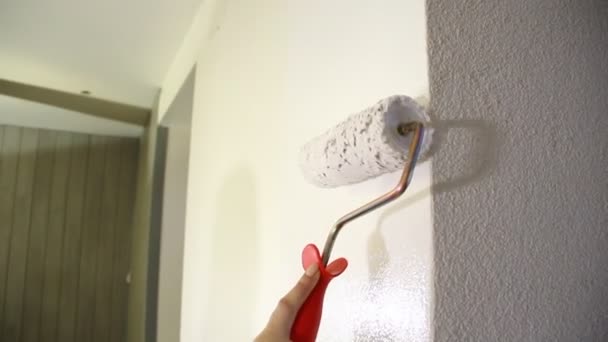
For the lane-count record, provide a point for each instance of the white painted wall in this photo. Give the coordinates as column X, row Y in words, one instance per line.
column 202, row 26
column 178, row 121
column 271, row 76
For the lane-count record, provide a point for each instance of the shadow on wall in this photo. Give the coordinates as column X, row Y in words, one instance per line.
column 477, row 163
column 234, row 258
column 479, row 160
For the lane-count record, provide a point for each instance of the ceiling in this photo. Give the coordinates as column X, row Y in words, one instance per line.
column 118, row 50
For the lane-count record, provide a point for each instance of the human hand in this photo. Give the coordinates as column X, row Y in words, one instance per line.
column 278, row 328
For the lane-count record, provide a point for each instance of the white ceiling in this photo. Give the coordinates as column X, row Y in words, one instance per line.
column 18, row 112
column 119, row 50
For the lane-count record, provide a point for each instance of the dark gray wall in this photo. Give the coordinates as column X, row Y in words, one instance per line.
column 66, row 219
column 521, row 169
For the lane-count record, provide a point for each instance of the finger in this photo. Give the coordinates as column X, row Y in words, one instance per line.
column 285, row 313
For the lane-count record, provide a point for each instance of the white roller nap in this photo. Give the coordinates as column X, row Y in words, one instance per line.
column 365, row 145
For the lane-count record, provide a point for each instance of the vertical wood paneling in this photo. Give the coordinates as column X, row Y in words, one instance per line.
column 17, row 259
column 71, row 239
column 54, row 240
column 109, row 206
column 122, row 240
column 1, row 141
column 30, row 324
column 8, row 176
column 88, row 254
column 66, row 211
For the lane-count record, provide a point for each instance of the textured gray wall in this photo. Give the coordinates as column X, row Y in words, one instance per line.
column 521, row 170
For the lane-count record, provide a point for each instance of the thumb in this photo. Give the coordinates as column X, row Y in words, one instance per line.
column 285, row 313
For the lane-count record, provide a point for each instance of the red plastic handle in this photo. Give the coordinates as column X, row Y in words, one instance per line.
column 307, row 321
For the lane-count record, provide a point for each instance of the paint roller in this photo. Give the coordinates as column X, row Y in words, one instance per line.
column 389, row 136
